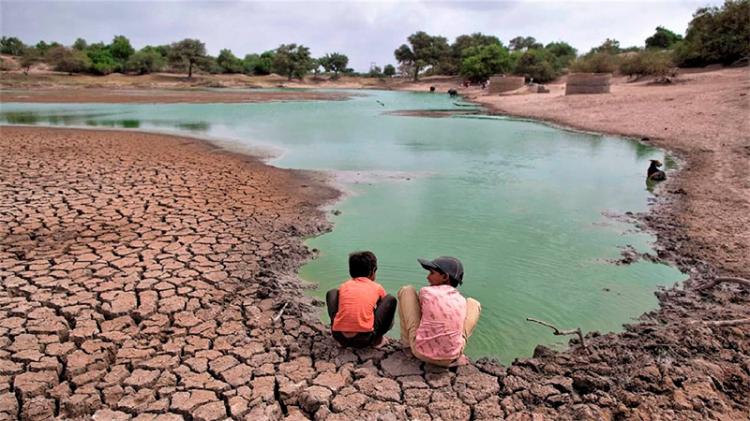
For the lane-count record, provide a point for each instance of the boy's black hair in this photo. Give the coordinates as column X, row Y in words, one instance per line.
column 362, row 264
column 454, row 283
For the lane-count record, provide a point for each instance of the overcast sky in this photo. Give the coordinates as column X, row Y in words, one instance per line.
column 366, row 31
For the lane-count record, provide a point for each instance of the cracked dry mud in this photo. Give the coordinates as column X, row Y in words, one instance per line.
column 139, row 275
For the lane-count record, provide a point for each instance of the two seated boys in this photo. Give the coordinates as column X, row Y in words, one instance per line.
column 435, row 323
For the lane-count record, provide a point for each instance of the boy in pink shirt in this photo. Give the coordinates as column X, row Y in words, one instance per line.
column 436, row 324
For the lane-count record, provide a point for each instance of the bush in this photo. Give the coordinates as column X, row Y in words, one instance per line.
column 102, row 62
column 595, row 63
column 647, row 63
column 228, row 62
column 68, row 60
column 145, row 61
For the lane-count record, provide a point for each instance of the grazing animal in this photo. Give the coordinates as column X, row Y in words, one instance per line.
column 452, row 92
column 432, row 89
column 654, row 173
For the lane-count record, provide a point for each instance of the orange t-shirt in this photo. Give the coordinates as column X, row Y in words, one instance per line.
column 357, row 300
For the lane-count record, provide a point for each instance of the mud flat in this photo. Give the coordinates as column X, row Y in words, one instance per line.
column 149, row 277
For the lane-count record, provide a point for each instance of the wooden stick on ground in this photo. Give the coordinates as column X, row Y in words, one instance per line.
column 734, row 280
column 720, row 323
column 559, row 332
column 278, row 316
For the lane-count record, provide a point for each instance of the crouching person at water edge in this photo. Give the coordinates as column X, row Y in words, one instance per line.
column 436, row 324
column 361, row 312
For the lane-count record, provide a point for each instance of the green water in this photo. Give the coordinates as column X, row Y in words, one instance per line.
column 521, row 203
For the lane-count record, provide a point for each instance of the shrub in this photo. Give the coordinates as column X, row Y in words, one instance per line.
column 595, row 63
column 145, row 61
column 68, row 60
column 102, row 62
column 647, row 63
column 228, row 62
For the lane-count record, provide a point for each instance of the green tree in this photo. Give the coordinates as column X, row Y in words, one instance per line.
column 334, row 62
column 68, row 60
column 228, row 62
column 424, row 50
column 483, row 61
column 292, row 60
column 80, row 44
column 43, row 47
column 609, row 46
column 463, row 43
column 121, row 50
column 389, row 70
column 562, row 52
column 188, row 53
column 12, row 46
column 102, row 61
column 148, row 60
column 536, row 64
column 258, row 64
column 716, row 35
column 524, row 43
column 663, row 38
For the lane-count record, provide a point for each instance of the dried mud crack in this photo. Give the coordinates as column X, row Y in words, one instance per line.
column 140, row 275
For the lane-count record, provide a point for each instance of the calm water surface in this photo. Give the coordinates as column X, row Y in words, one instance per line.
column 519, row 202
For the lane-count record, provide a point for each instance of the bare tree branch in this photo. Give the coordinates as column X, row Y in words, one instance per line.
column 278, row 316
column 719, row 323
column 559, row 332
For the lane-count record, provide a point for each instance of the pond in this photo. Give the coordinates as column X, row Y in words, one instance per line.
column 524, row 205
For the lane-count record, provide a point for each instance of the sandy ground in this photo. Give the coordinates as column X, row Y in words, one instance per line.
column 139, row 275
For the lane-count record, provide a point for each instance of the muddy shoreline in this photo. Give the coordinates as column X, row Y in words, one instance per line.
column 663, row 367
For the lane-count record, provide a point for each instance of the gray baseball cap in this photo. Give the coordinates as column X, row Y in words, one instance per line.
column 446, row 264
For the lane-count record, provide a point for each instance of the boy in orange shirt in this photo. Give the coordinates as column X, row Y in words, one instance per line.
column 361, row 312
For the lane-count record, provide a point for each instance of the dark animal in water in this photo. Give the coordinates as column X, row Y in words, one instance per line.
column 654, row 173
column 379, row 102
column 452, row 92
column 432, row 89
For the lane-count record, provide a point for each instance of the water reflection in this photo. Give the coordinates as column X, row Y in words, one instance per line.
column 96, row 120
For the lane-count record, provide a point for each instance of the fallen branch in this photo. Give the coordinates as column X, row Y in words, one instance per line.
column 559, row 332
column 734, row 280
column 278, row 316
column 719, row 323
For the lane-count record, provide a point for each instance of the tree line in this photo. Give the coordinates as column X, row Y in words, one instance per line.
column 714, row 35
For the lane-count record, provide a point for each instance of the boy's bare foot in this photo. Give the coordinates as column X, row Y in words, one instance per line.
column 462, row 360
column 381, row 343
